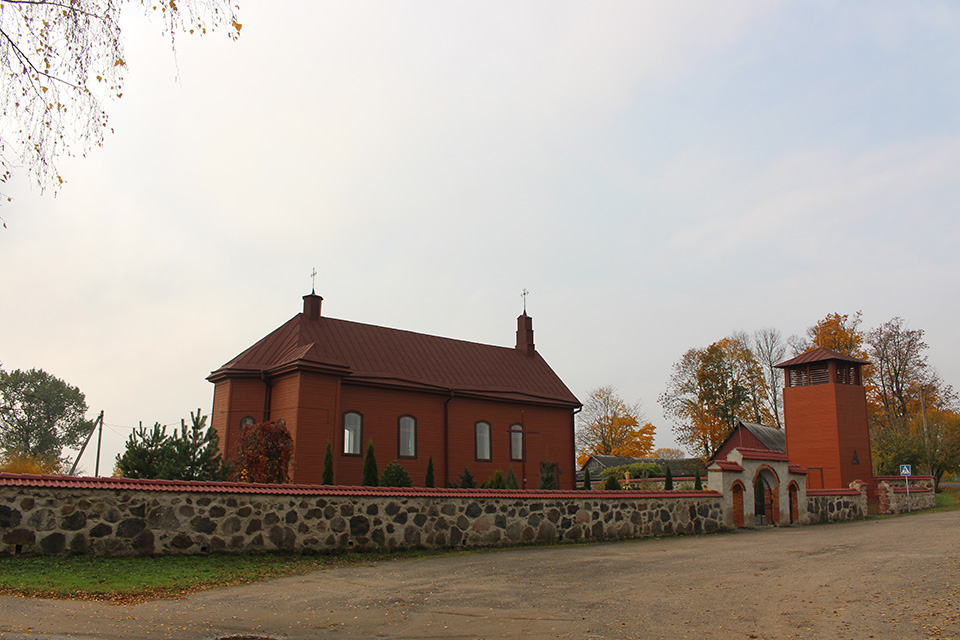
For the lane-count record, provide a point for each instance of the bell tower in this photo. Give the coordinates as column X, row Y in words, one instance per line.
column 825, row 418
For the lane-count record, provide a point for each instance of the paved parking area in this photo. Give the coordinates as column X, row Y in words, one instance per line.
column 892, row 578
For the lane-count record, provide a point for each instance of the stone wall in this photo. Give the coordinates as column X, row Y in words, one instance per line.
column 836, row 505
column 894, row 498
column 108, row 517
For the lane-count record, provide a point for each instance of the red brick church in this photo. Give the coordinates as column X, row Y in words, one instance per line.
column 415, row 396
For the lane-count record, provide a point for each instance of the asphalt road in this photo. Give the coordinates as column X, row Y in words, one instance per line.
column 892, row 578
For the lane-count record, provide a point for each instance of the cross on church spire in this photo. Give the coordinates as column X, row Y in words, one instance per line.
column 524, row 296
column 313, row 280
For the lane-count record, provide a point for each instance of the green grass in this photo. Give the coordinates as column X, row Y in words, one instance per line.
column 947, row 500
column 137, row 579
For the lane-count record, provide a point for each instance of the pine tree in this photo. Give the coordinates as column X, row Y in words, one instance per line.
column 371, row 477
column 612, row 484
column 587, row 484
column 548, row 476
column 395, row 476
column 328, row 465
column 466, row 480
column 429, row 482
column 698, row 484
column 190, row 453
column 668, row 479
column 496, row 481
column 511, row 481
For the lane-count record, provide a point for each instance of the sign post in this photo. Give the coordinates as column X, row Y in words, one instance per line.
column 906, row 472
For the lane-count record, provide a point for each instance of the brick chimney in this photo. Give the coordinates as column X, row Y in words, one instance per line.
column 525, row 334
column 311, row 306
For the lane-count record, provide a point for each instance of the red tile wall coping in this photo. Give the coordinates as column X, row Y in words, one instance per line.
column 130, row 484
column 912, row 490
column 762, row 454
column 900, row 478
column 726, row 465
column 832, row 492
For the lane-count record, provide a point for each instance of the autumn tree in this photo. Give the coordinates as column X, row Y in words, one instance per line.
column 607, row 425
column 900, row 369
column 941, row 439
column 60, row 60
column 40, row 415
column 668, row 453
column 840, row 333
column 913, row 413
column 710, row 389
column 266, row 449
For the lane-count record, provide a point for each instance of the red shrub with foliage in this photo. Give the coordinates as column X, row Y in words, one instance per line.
column 265, row 452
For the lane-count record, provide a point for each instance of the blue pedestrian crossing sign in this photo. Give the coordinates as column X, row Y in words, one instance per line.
column 905, row 470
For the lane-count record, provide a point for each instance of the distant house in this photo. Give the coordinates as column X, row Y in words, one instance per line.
column 415, row 396
column 597, row 463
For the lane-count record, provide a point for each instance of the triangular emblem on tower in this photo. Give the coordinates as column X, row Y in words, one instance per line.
column 856, row 458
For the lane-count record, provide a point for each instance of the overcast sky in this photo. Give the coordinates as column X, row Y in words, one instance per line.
column 656, row 174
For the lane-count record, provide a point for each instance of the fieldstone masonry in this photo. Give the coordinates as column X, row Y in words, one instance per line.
column 896, row 496
column 155, row 517
column 837, row 505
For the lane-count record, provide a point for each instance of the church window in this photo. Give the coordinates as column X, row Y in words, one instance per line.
column 352, row 433
column 516, row 442
column 482, row 430
column 408, row 437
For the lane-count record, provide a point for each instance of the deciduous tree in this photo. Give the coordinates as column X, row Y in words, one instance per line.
column 710, row 389
column 668, row 453
column 266, row 449
column 40, row 415
column 609, row 426
column 900, row 368
column 770, row 350
column 61, row 59
column 840, row 333
column 913, row 412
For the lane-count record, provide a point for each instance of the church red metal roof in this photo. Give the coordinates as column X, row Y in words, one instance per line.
column 372, row 354
column 819, row 355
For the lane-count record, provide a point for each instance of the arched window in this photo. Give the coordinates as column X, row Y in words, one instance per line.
column 408, row 437
column 482, row 430
column 516, row 442
column 352, row 433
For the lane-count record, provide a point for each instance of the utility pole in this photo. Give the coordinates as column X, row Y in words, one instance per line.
column 98, row 421
column 96, row 473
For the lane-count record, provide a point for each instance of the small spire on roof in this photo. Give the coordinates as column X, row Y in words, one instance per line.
column 524, row 296
column 313, row 281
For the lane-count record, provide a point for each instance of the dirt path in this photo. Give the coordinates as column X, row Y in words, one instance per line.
column 895, row 578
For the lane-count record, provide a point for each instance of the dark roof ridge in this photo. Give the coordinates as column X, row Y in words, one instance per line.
column 819, row 355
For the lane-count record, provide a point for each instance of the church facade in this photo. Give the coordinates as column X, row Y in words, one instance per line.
column 416, row 397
